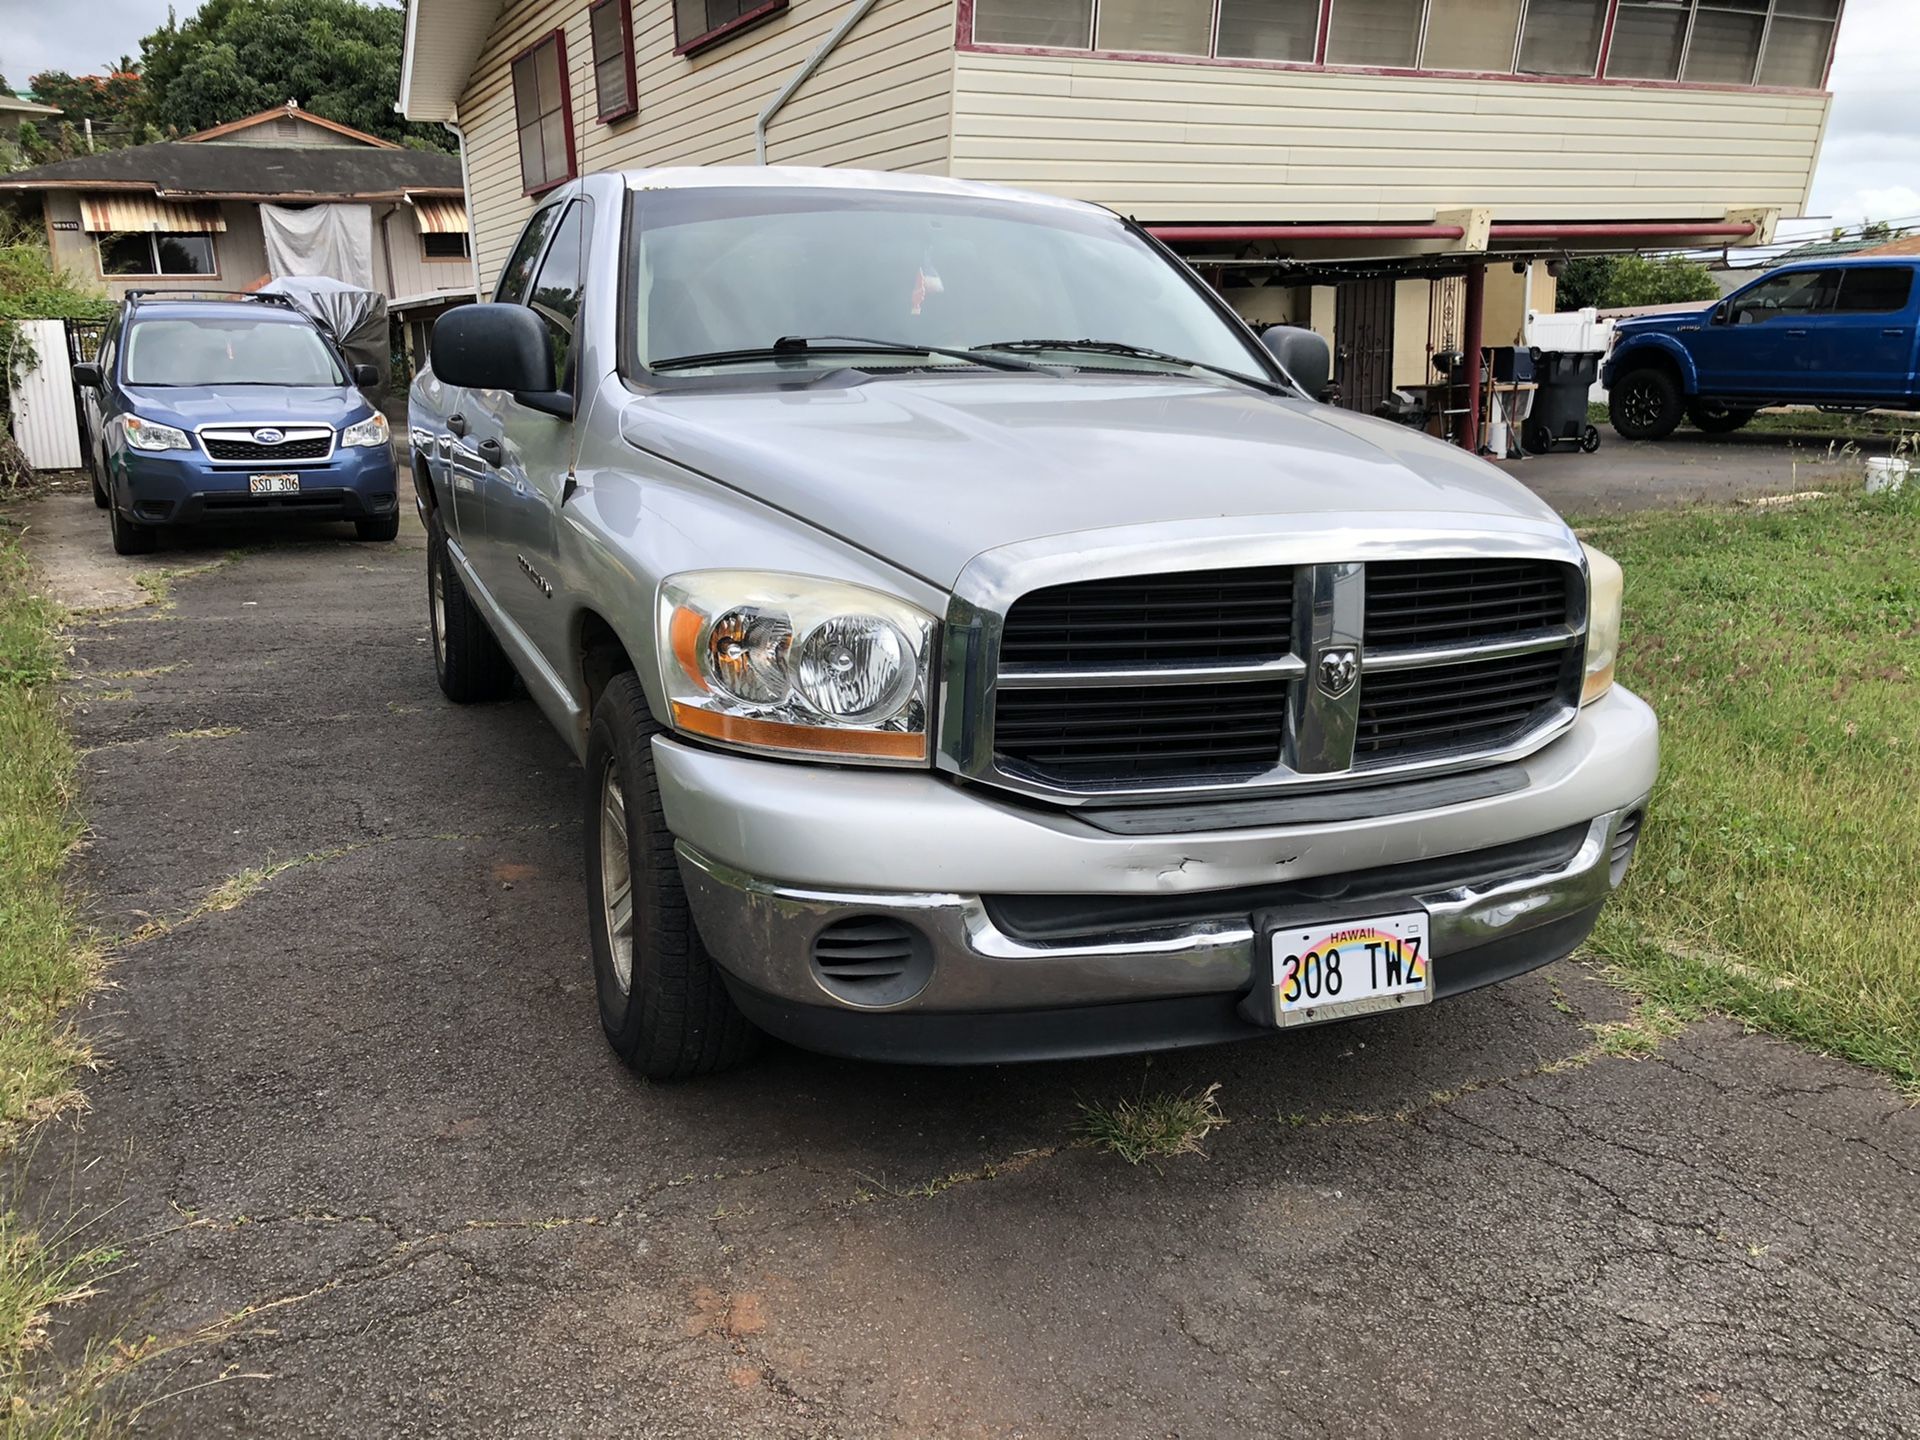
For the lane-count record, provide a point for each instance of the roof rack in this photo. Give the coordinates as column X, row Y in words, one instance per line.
column 143, row 296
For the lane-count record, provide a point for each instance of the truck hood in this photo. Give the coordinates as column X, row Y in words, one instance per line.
column 928, row 472
column 191, row 405
column 1666, row 324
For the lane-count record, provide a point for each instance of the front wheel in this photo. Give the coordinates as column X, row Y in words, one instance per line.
column 1717, row 419
column 129, row 538
column 380, row 527
column 1644, row 405
column 468, row 661
column 662, row 1003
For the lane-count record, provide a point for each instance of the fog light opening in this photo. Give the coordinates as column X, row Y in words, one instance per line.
column 1626, row 836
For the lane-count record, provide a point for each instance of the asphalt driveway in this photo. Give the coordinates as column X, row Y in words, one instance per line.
column 378, row 1174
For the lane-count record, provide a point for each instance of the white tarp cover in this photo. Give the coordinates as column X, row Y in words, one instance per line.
column 331, row 240
column 356, row 318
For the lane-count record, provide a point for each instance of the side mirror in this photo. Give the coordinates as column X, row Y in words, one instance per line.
column 1721, row 313
column 366, row 376
column 493, row 347
column 1303, row 354
column 87, row 375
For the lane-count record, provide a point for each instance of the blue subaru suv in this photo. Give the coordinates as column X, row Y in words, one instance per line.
column 239, row 407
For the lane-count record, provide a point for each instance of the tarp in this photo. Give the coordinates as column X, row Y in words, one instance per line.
column 331, row 240
column 356, row 318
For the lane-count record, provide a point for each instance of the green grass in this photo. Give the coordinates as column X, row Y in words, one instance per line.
column 45, row 967
column 1779, row 877
column 1152, row 1126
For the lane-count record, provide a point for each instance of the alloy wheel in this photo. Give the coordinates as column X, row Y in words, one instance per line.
column 437, row 611
column 616, row 877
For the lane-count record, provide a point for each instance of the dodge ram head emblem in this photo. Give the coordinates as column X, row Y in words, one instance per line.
column 1338, row 670
column 268, row 436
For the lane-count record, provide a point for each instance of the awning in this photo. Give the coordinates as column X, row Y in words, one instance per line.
column 441, row 217
column 105, row 214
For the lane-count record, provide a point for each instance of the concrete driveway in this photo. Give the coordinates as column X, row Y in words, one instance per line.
column 378, row 1174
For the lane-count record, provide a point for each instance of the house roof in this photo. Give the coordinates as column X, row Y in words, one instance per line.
column 14, row 105
column 1905, row 245
column 443, row 39
column 204, row 170
column 289, row 111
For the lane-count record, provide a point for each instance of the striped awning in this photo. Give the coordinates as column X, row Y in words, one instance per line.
column 107, row 214
column 441, row 217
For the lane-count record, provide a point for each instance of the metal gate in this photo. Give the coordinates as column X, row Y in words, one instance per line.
column 1363, row 336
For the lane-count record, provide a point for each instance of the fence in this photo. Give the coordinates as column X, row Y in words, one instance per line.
column 46, row 418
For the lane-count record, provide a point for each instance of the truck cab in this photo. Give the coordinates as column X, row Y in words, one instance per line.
column 1839, row 334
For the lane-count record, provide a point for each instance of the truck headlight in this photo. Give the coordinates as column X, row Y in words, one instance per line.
column 1604, row 586
column 370, row 431
column 151, row 435
column 797, row 666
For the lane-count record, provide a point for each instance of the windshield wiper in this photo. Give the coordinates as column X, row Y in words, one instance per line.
column 1137, row 352
column 799, row 346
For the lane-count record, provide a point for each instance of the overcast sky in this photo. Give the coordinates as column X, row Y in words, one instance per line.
column 1869, row 167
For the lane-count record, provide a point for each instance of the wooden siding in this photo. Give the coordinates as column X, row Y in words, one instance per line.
column 1167, row 141
column 881, row 101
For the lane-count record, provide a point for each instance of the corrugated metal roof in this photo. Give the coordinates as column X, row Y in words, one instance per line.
column 1905, row 245
column 204, row 169
column 441, row 217
column 106, row 214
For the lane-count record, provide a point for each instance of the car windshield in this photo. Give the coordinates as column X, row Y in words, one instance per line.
column 730, row 272
column 174, row 350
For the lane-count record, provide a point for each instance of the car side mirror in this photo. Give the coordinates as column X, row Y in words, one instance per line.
column 495, row 347
column 1303, row 354
column 87, row 375
column 366, row 376
column 1721, row 313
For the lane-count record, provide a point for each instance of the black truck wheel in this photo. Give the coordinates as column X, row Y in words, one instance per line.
column 469, row 662
column 1644, row 405
column 1717, row 419
column 663, row 1005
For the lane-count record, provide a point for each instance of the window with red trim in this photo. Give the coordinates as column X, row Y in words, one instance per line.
column 698, row 24
column 610, row 24
column 541, row 115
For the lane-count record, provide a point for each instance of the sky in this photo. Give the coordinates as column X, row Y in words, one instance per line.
column 1869, row 167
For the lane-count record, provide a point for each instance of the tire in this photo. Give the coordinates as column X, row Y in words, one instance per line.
column 662, row 1003
column 1717, row 419
column 128, row 537
column 468, row 661
column 1644, row 405
column 1537, row 439
column 1589, row 440
column 100, row 500
column 380, row 527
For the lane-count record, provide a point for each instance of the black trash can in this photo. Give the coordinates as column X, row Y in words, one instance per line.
column 1559, row 417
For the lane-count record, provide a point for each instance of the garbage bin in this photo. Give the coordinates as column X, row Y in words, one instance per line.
column 1559, row 417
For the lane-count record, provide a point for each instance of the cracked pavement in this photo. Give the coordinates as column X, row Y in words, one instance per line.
column 376, row 1173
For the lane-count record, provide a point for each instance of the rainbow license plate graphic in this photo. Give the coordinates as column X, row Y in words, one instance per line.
column 1357, row 967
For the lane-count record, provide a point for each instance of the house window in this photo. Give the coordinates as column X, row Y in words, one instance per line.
column 1374, row 32
column 1648, row 38
column 1724, row 42
column 1056, row 24
column 1269, row 29
column 1798, row 43
column 1562, row 37
column 131, row 252
column 1471, row 35
column 541, row 114
column 614, row 90
column 698, row 24
column 1155, row 27
column 445, row 247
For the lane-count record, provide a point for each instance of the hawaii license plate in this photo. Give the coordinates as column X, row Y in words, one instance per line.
column 274, row 484
column 1356, row 967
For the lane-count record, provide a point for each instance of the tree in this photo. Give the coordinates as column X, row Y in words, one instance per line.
column 1614, row 282
column 338, row 58
column 5, row 89
column 109, row 101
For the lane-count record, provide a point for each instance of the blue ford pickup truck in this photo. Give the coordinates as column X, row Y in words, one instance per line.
column 1840, row 334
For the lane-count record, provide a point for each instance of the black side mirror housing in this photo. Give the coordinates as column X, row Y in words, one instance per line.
column 87, row 375
column 366, row 376
column 1303, row 354
column 494, row 347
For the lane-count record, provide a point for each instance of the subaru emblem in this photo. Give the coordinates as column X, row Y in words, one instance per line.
column 268, row 436
column 1338, row 670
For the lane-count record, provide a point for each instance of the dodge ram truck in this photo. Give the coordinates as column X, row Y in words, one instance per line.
column 1839, row 334
column 978, row 645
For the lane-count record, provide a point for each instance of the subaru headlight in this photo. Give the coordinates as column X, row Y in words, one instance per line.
column 151, row 435
column 1604, row 586
column 795, row 665
column 370, row 431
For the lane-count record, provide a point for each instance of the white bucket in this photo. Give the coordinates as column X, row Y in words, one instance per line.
column 1887, row 472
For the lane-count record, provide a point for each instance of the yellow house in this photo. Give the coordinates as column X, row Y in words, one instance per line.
column 1392, row 172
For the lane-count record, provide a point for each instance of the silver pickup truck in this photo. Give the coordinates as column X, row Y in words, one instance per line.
column 979, row 644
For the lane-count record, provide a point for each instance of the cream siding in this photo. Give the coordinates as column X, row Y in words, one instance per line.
column 1212, row 142
column 881, row 101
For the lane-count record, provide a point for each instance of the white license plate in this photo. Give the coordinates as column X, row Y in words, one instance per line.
column 274, row 484
column 1357, row 967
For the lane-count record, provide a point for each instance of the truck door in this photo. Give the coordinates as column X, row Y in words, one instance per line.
column 531, row 480
column 1761, row 339
column 1869, row 336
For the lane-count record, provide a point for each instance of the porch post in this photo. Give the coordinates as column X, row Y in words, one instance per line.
column 1476, row 302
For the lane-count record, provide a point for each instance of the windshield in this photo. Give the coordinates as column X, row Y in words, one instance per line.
column 240, row 351
column 720, row 270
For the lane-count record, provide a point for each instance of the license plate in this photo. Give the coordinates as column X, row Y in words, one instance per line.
column 274, row 484
column 1356, row 967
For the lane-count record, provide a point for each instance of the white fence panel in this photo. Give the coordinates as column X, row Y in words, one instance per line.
column 45, row 423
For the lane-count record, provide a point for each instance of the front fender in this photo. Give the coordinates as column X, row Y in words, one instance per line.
column 1636, row 350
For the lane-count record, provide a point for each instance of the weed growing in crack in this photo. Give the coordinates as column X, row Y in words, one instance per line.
column 1152, row 1126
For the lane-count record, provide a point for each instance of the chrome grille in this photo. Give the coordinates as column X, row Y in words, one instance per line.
column 1244, row 678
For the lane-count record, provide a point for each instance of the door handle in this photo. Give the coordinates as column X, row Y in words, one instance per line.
column 489, row 451
column 457, row 424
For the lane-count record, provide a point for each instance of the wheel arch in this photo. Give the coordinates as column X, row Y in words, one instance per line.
column 1659, row 352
